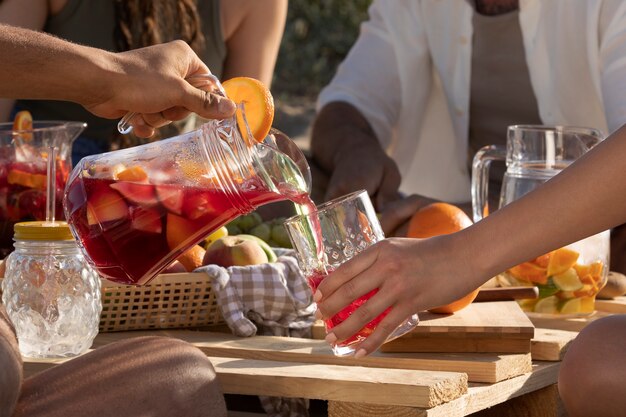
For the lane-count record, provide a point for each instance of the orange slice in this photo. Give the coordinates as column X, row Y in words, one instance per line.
column 23, row 122
column 258, row 104
column 133, row 173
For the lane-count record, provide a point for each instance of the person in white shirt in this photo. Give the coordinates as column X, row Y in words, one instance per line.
column 430, row 82
column 414, row 275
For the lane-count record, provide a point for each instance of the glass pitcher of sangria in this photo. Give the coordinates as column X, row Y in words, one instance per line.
column 134, row 211
column 568, row 278
column 23, row 172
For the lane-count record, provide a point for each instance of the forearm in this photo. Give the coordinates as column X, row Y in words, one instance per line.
column 338, row 131
column 586, row 198
column 64, row 71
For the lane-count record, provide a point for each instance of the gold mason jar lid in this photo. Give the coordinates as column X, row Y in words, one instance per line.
column 42, row 230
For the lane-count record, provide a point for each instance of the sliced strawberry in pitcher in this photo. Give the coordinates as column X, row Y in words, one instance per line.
column 171, row 197
column 106, row 205
column 145, row 220
column 142, row 194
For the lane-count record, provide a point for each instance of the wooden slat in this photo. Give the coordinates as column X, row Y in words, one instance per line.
column 479, row 367
column 550, row 344
column 573, row 324
column 468, row 344
column 478, row 397
column 325, row 382
column 338, row 383
column 503, row 318
column 615, row 306
column 497, row 327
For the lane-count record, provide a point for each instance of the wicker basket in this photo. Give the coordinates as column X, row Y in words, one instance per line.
column 169, row 301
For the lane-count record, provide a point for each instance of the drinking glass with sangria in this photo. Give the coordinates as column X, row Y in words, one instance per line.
column 327, row 237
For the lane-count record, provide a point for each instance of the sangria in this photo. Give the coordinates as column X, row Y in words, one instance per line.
column 134, row 211
column 23, row 172
column 329, row 236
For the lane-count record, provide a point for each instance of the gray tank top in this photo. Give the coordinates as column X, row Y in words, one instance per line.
column 501, row 93
column 92, row 22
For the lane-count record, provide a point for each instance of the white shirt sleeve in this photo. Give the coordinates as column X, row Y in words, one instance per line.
column 613, row 62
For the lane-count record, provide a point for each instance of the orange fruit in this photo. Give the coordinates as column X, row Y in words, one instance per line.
column 437, row 219
column 192, row 258
column 258, row 104
column 134, row 173
column 456, row 305
column 441, row 219
column 22, row 123
column 528, row 271
column 562, row 260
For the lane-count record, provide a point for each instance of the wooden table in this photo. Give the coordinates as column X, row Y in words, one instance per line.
column 383, row 384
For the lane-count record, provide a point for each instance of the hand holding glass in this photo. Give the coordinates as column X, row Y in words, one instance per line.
column 325, row 239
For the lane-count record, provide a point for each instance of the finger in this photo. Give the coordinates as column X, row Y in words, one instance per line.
column 140, row 127
column 376, row 307
column 207, row 104
column 389, row 185
column 175, row 113
column 344, row 274
column 396, row 317
column 156, row 120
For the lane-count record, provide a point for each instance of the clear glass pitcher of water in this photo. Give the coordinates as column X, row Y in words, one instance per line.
column 23, row 172
column 568, row 278
column 134, row 211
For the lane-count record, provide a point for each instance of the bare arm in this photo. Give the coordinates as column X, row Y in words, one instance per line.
column 345, row 146
column 414, row 275
column 149, row 81
column 253, row 31
column 13, row 12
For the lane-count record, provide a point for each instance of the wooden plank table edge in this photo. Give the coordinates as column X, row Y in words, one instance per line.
column 324, row 382
column 480, row 367
column 478, row 397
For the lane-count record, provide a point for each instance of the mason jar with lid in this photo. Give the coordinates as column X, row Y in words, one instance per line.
column 51, row 294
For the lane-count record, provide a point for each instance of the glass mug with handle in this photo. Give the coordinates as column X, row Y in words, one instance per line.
column 568, row 278
column 326, row 238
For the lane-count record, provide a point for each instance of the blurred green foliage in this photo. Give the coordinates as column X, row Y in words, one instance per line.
column 318, row 35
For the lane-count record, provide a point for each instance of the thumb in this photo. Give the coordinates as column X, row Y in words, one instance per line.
column 207, row 104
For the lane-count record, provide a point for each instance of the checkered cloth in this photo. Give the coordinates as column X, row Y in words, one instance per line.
column 268, row 299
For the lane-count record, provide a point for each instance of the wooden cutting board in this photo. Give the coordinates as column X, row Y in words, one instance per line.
column 496, row 327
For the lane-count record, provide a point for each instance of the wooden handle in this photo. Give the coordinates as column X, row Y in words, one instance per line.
column 507, row 294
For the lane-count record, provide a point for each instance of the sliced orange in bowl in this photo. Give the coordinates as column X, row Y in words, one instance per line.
column 257, row 101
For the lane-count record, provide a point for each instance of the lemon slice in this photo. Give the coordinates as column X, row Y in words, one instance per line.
column 573, row 306
column 568, row 280
column 547, row 306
